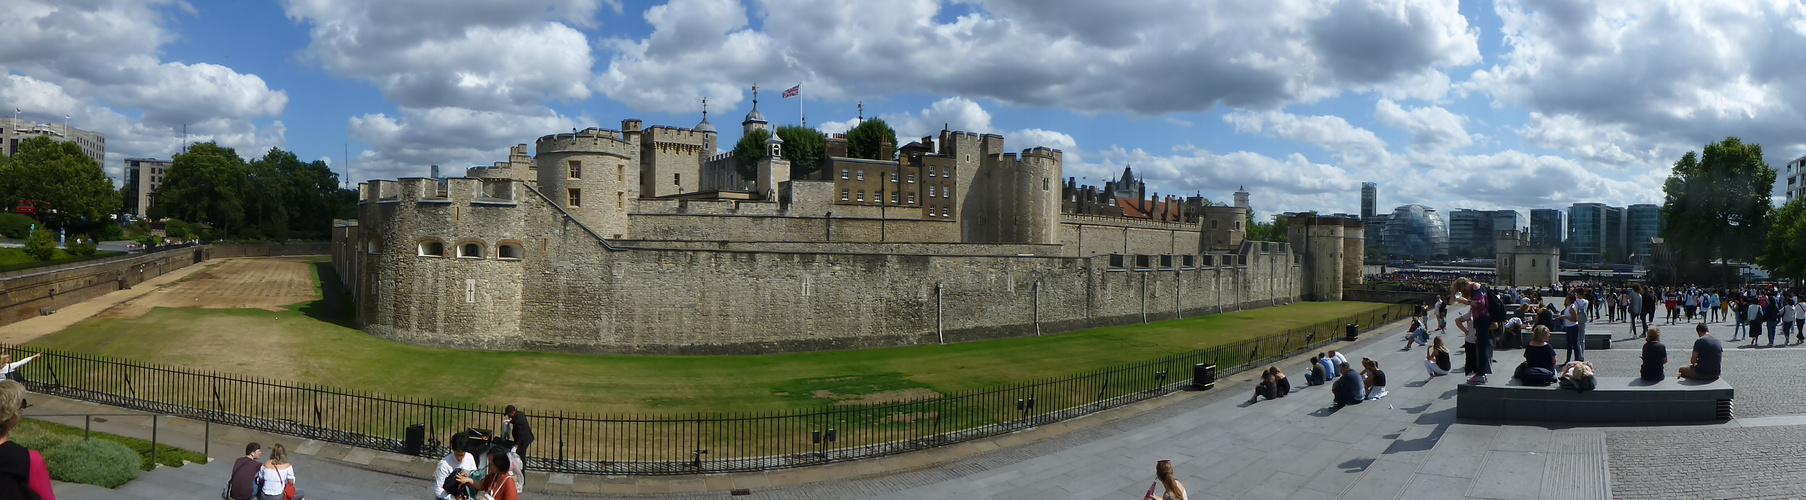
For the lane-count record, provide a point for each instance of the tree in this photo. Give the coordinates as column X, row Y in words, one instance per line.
column 208, row 184
column 805, row 149
column 1717, row 206
column 1269, row 231
column 749, row 152
column 1784, row 251
column 865, row 140
column 176, row 229
column 41, row 245
column 59, row 173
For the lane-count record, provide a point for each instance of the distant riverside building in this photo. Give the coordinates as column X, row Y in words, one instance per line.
column 1595, row 234
column 1643, row 222
column 1370, row 199
column 1416, row 231
column 1546, row 229
column 13, row 132
column 1474, row 232
column 142, row 178
column 1794, row 177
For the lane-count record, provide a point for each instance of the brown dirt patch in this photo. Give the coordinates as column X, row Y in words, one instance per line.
column 887, row 397
column 267, row 284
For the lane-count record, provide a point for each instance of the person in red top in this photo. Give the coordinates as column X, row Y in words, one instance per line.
column 22, row 472
column 499, row 483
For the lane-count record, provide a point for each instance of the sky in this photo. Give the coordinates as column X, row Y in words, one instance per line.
column 1504, row 104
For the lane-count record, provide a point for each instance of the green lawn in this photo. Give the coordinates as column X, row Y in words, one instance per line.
column 13, row 259
column 297, row 345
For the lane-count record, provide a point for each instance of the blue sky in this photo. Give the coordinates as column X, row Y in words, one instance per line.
column 1510, row 104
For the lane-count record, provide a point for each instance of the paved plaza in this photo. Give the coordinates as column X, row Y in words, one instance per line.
column 1407, row 445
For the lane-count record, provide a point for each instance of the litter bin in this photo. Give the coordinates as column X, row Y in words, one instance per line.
column 1203, row 376
column 416, row 440
column 1354, row 332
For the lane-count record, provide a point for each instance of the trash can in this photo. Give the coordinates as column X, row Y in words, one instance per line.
column 1354, row 332
column 1203, row 376
column 416, row 441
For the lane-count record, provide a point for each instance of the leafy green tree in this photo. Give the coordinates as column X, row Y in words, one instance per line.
column 59, row 173
column 1274, row 230
column 865, row 140
column 1784, row 251
column 1717, row 206
column 15, row 226
column 176, row 229
column 749, row 152
column 208, row 184
column 41, row 245
column 805, row 149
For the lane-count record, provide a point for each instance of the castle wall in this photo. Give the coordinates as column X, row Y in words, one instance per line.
column 671, row 159
column 569, row 293
column 1086, row 235
column 775, row 227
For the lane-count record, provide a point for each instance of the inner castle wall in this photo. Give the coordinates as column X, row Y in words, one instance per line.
column 570, row 290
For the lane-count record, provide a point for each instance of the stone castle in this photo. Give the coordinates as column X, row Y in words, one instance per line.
column 644, row 240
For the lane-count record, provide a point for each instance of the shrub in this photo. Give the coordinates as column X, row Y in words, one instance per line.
column 37, row 439
column 41, row 245
column 175, row 229
column 83, row 248
column 15, row 226
column 110, row 232
column 100, row 463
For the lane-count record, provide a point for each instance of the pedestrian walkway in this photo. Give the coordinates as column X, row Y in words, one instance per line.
column 30, row 329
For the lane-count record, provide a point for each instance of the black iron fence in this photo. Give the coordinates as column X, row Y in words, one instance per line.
column 589, row 443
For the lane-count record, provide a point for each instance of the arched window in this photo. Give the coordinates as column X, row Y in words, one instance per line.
column 470, row 250
column 432, row 248
column 508, row 250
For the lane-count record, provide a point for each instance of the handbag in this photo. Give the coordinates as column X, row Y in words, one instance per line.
column 288, row 491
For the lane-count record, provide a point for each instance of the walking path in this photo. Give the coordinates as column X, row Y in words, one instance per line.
column 30, row 329
column 1407, row 445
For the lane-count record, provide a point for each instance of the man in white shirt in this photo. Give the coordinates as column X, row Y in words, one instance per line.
column 457, row 461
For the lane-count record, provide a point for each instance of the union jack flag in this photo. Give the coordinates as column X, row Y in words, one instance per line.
column 794, row 91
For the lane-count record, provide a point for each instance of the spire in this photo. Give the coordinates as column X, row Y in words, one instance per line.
column 705, row 126
column 754, row 119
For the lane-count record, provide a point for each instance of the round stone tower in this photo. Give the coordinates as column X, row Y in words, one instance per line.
column 1037, row 196
column 593, row 174
column 1354, row 250
column 1319, row 244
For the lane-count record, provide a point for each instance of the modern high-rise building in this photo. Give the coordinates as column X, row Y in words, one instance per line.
column 1416, row 231
column 1794, row 179
column 1474, row 233
column 1642, row 222
column 1546, row 229
column 142, row 178
column 1595, row 234
column 1370, row 200
column 13, row 132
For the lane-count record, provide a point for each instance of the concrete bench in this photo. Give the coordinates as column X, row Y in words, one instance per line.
column 1616, row 400
column 1559, row 340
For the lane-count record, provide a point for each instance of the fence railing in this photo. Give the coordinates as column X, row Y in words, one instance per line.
column 612, row 444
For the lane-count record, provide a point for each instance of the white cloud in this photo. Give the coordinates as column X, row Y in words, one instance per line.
column 1143, row 58
column 453, row 138
column 98, row 61
column 1331, row 133
column 1432, row 128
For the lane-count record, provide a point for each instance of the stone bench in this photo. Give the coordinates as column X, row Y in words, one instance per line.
column 1559, row 340
column 1616, row 400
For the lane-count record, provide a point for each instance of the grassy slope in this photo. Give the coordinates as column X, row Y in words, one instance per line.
column 339, row 356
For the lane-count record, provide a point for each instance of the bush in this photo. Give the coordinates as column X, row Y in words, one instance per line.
column 100, row 463
column 175, row 229
column 36, row 439
column 110, row 232
column 15, row 226
column 41, row 245
column 83, row 248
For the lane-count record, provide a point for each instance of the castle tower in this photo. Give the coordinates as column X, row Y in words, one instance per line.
column 1354, row 251
column 754, row 119
column 1036, row 197
column 1319, row 243
column 1241, row 197
column 593, row 174
column 773, row 169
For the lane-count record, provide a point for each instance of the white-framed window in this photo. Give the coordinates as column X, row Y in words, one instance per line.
column 432, row 248
column 843, row 174
column 912, row 178
column 508, row 251
column 893, row 197
column 860, row 196
column 893, row 177
column 912, row 198
column 861, row 175
column 470, row 250
column 947, row 192
column 932, row 191
column 844, row 194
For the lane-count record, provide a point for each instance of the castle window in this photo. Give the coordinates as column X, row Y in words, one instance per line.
column 620, row 173
column 1043, row 183
column 947, row 192
column 893, row 177
column 574, row 197
column 843, row 194
column 912, row 198
column 1238, row 225
column 932, row 191
column 576, row 169
column 432, row 248
column 620, row 200
column 1213, row 224
column 470, row 251
column 893, row 197
column 861, row 196
column 861, row 175
column 677, row 179
column 843, row 174
column 912, row 178
column 508, row 251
